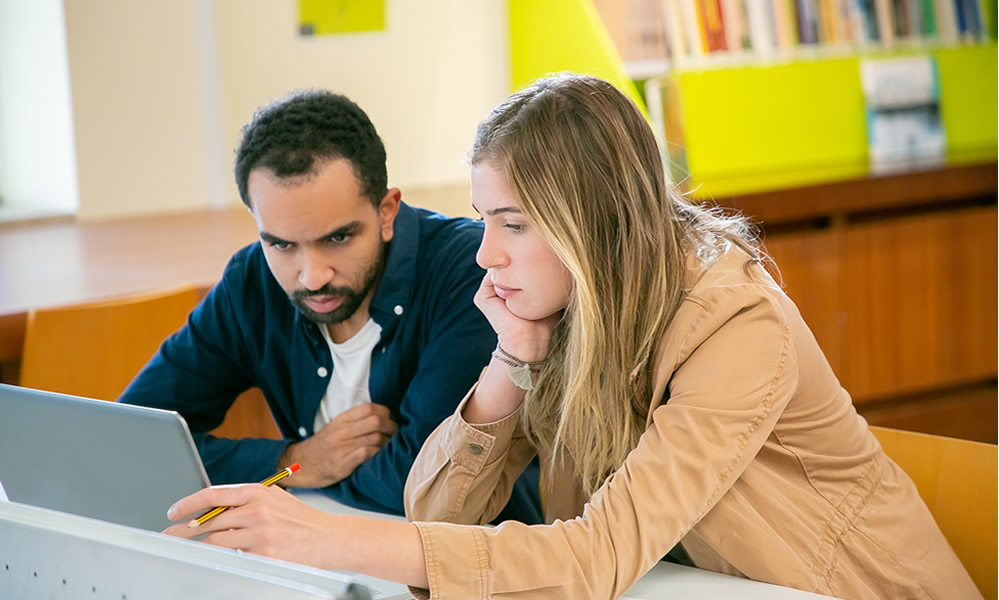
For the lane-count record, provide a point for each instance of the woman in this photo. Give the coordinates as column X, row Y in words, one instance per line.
column 671, row 389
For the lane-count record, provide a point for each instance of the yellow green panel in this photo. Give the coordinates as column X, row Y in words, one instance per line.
column 757, row 124
column 322, row 17
column 549, row 36
column 968, row 99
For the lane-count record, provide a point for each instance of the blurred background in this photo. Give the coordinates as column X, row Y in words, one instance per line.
column 860, row 134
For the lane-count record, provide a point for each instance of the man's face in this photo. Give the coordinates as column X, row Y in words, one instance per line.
column 324, row 241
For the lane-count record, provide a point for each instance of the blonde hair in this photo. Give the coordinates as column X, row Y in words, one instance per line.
column 588, row 173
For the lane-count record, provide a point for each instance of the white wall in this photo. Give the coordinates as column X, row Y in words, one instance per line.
column 142, row 127
column 37, row 162
column 425, row 81
column 161, row 90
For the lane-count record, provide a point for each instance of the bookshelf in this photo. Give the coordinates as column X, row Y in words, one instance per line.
column 766, row 107
column 653, row 36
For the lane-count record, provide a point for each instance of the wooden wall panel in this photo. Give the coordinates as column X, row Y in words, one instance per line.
column 920, row 302
column 808, row 266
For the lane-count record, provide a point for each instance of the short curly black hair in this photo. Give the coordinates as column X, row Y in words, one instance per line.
column 291, row 135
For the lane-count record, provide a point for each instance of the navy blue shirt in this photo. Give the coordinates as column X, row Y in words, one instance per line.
column 246, row 332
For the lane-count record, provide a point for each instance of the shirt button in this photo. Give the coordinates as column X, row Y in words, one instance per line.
column 383, row 349
column 322, row 372
column 398, row 309
column 302, row 431
column 475, row 449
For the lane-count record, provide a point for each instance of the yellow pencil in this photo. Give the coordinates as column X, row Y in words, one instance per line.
column 267, row 482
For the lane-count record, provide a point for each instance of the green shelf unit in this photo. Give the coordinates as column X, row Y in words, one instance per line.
column 744, row 129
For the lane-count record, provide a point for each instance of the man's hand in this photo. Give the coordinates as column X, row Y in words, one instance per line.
column 341, row 446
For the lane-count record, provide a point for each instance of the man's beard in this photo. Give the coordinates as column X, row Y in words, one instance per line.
column 352, row 298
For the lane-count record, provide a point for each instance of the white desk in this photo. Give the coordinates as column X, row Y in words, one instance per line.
column 50, row 554
column 665, row 580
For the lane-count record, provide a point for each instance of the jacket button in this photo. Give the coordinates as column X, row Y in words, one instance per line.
column 475, row 449
column 398, row 309
column 322, row 372
column 302, row 431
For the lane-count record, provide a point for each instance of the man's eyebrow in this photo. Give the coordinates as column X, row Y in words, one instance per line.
column 347, row 229
column 272, row 239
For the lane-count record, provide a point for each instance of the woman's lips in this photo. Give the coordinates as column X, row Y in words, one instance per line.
column 504, row 292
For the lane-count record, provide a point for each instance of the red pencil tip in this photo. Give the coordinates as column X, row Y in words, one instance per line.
column 295, row 467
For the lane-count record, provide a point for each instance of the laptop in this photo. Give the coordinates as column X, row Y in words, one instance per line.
column 115, row 462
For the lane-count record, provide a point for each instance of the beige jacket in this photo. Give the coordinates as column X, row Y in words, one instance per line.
column 754, row 459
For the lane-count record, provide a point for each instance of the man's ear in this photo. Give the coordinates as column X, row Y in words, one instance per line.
column 388, row 208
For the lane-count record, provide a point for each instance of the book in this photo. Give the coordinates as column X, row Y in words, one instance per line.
column 915, row 13
column 761, row 26
column 786, row 39
column 733, row 19
column 712, row 25
column 675, row 39
column 946, row 19
column 929, row 19
column 827, row 20
column 886, row 22
column 808, row 21
column 696, row 45
column 900, row 21
column 865, row 21
column 972, row 11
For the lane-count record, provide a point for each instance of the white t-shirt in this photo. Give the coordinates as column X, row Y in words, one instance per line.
column 348, row 385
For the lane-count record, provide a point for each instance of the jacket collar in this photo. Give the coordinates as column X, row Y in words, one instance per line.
column 396, row 285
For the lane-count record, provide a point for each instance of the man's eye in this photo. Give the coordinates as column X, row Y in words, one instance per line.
column 282, row 246
column 339, row 238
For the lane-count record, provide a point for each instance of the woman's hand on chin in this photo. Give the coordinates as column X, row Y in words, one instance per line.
column 526, row 339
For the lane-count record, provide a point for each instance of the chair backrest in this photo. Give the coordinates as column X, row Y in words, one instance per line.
column 94, row 350
column 957, row 480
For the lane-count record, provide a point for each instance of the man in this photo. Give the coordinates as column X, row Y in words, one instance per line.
column 353, row 314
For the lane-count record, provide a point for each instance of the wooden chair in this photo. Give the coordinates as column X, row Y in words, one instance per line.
column 94, row 350
column 957, row 480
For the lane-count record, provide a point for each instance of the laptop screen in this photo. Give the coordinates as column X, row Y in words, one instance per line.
column 115, row 462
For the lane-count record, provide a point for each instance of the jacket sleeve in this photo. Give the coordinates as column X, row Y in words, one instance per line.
column 199, row 371
column 725, row 398
column 465, row 473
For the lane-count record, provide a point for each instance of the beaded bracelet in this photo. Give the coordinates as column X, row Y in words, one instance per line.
column 520, row 373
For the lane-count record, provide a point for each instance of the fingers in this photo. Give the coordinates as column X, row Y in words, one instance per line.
column 210, row 497
column 363, row 411
column 360, row 421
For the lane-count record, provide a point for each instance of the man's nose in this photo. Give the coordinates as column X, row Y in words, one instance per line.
column 315, row 272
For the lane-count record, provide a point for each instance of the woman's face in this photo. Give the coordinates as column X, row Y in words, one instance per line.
column 522, row 267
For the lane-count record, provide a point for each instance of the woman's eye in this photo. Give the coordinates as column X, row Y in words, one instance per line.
column 514, row 228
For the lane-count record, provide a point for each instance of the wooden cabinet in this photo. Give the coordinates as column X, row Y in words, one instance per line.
column 897, row 277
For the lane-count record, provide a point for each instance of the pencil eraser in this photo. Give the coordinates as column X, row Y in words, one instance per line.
column 295, row 467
